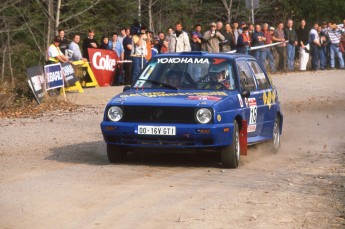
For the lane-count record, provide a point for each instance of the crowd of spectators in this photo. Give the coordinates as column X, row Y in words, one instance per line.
column 323, row 45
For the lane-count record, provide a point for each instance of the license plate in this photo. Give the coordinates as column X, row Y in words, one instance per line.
column 157, row 130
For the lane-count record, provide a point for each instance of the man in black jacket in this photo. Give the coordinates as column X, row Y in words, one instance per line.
column 303, row 44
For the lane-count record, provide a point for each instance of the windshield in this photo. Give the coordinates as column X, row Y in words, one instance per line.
column 187, row 73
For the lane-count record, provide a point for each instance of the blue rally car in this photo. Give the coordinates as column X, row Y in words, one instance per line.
column 195, row 101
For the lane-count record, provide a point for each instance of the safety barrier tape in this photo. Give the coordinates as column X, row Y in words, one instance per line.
column 260, row 47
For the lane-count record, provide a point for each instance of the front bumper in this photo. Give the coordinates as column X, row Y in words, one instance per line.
column 187, row 135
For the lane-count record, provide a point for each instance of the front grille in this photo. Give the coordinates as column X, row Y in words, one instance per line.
column 150, row 140
column 159, row 114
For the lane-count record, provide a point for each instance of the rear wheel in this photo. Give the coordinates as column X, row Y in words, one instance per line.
column 275, row 142
column 231, row 154
column 116, row 154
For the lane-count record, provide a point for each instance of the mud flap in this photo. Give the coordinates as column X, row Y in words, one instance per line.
column 243, row 138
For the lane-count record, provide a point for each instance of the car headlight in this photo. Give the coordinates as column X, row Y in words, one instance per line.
column 203, row 115
column 115, row 114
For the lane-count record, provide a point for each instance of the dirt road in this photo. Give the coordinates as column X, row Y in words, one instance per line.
column 55, row 174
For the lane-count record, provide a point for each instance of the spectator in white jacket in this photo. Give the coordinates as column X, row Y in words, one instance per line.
column 179, row 40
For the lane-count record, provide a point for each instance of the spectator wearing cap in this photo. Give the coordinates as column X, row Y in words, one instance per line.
column 179, row 40
column 195, row 42
column 243, row 42
column 279, row 36
column 212, row 38
column 89, row 42
column 268, row 32
column 303, row 45
column 334, row 37
column 54, row 54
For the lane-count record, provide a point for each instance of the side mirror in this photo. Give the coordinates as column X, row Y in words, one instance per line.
column 245, row 93
column 126, row 88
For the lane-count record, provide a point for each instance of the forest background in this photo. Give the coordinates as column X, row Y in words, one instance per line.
column 27, row 27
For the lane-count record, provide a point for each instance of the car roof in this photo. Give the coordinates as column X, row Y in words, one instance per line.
column 207, row 55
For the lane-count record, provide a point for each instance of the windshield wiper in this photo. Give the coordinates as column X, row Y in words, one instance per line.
column 160, row 83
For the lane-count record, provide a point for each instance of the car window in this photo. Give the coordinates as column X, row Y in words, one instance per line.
column 259, row 74
column 188, row 73
column 246, row 76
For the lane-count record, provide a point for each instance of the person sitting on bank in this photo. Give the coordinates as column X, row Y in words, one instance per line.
column 54, row 53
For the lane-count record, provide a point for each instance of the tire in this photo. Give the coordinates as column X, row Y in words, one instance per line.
column 275, row 142
column 231, row 154
column 116, row 154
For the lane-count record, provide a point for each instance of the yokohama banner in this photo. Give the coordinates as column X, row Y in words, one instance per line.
column 103, row 64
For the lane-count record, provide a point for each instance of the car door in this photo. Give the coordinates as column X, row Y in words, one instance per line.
column 266, row 92
column 253, row 104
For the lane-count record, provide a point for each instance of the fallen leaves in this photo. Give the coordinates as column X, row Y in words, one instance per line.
column 33, row 110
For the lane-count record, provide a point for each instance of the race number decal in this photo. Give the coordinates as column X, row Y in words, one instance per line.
column 253, row 110
column 253, row 115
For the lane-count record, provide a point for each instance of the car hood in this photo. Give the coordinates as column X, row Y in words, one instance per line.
column 169, row 98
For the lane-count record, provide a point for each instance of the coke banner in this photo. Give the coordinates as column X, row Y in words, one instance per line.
column 103, row 64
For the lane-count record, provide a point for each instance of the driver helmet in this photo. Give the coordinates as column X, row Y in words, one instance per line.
column 219, row 72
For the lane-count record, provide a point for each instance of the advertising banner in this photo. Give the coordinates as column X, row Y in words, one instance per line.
column 53, row 76
column 103, row 64
column 36, row 82
column 68, row 70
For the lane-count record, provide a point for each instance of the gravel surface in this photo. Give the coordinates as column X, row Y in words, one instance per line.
column 55, row 174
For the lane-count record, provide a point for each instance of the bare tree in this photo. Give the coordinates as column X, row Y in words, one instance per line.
column 228, row 9
column 151, row 3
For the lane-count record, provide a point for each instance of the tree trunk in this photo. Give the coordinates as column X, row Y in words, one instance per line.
column 50, row 29
column 10, row 56
column 57, row 20
column 3, row 62
column 151, row 26
column 228, row 9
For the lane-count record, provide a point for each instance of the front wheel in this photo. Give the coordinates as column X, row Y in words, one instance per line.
column 231, row 154
column 116, row 154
